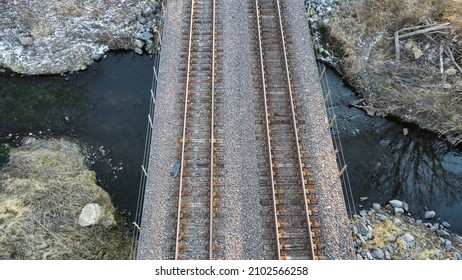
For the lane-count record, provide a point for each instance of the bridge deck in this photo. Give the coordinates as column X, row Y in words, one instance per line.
column 242, row 218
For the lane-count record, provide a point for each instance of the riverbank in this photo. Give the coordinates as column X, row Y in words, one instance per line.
column 415, row 75
column 52, row 208
column 57, row 37
column 389, row 233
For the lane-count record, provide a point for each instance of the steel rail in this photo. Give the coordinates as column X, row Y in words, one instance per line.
column 177, row 240
column 294, row 120
column 268, row 137
column 212, row 136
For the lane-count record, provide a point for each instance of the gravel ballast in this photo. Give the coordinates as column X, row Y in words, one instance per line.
column 239, row 226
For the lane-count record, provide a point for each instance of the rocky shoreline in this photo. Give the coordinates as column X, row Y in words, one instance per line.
column 389, row 54
column 387, row 232
column 390, row 233
column 56, row 37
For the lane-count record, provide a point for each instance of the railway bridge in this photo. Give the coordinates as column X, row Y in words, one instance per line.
column 241, row 164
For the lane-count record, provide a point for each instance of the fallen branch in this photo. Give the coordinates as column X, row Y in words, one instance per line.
column 451, row 56
column 397, row 45
column 44, row 227
column 441, row 59
column 423, row 31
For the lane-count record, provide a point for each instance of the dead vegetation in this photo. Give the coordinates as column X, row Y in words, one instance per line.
column 404, row 58
column 42, row 192
column 428, row 245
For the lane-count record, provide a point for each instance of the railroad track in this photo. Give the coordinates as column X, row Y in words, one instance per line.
column 285, row 181
column 199, row 145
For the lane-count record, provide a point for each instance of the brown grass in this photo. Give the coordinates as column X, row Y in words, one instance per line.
column 41, row 195
column 412, row 89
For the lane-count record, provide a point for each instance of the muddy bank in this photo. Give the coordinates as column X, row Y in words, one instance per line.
column 54, row 37
column 415, row 75
column 52, row 208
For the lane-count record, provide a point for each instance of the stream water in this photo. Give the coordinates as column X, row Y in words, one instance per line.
column 105, row 108
column 385, row 164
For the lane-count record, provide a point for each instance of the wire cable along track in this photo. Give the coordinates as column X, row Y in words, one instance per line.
column 194, row 229
column 284, row 159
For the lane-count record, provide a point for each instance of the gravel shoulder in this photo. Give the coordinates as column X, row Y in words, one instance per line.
column 156, row 237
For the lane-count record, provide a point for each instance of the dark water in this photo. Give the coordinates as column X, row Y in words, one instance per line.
column 385, row 164
column 107, row 105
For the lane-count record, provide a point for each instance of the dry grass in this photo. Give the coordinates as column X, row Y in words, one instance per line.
column 361, row 38
column 41, row 195
column 427, row 244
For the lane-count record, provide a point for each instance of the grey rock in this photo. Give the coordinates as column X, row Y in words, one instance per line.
column 363, row 213
column 382, row 217
column 385, row 142
column 142, row 20
column 355, row 230
column 139, row 43
column 457, row 237
column 363, row 230
column 108, row 222
column 363, row 198
column 90, row 215
column 371, row 212
column 430, row 214
column 387, row 255
column 457, row 256
column 369, row 255
column 447, row 245
column 405, row 206
column 146, row 36
column 359, row 257
column 447, row 86
column 390, row 248
column 362, row 240
column 370, row 232
column 378, row 253
column 26, row 41
column 397, row 221
column 429, row 225
column 376, row 206
column 396, row 203
column 147, row 11
column 399, row 211
column 451, row 71
column 96, row 56
column 139, row 51
column 418, row 222
column 408, row 238
column 2, row 225
column 392, row 238
column 446, row 224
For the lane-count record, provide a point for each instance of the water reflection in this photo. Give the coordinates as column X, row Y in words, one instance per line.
column 385, row 164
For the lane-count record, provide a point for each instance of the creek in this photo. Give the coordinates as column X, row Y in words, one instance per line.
column 384, row 163
column 105, row 109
